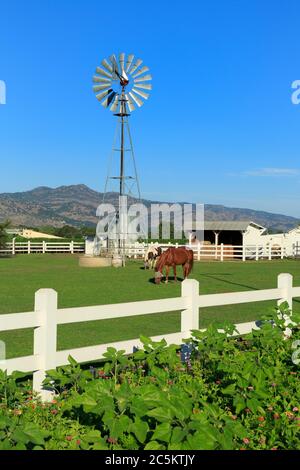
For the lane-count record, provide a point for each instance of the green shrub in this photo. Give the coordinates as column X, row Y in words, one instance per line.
column 229, row 393
column 3, row 234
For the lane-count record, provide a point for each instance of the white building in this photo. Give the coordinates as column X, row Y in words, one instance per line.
column 290, row 241
column 235, row 232
column 248, row 234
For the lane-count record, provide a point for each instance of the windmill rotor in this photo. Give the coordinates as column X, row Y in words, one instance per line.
column 120, row 81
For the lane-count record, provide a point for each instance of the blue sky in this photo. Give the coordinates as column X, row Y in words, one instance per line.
column 220, row 126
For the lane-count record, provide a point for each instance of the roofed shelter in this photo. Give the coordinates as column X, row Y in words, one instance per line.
column 236, row 232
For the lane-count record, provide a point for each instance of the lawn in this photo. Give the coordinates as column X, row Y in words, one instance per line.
column 21, row 276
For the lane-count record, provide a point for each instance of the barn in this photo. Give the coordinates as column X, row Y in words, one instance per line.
column 235, row 232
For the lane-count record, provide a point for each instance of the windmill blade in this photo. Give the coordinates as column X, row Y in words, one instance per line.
column 103, row 94
column 141, row 93
column 102, row 72
column 122, row 60
column 114, row 106
column 136, row 99
column 124, row 74
column 145, row 78
column 135, row 66
column 142, row 70
column 101, row 87
column 129, row 62
column 97, row 79
column 107, row 65
column 143, row 86
column 107, row 102
column 130, row 103
column 115, row 67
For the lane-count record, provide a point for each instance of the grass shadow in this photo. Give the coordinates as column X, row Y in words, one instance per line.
column 171, row 279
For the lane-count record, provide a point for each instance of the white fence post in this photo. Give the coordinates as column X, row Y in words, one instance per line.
column 282, row 252
column 135, row 250
column 44, row 247
column 45, row 338
column 222, row 251
column 72, row 247
column 190, row 317
column 13, row 246
column 285, row 282
column 28, row 247
column 270, row 252
column 256, row 253
column 198, row 252
column 244, row 253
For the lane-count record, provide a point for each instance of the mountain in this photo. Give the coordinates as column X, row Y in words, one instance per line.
column 76, row 205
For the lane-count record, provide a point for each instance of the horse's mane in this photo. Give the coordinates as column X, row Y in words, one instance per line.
column 161, row 261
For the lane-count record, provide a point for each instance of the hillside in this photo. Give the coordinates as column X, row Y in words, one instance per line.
column 76, row 205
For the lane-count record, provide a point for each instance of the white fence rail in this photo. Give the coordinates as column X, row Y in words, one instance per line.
column 219, row 252
column 46, row 317
column 30, row 247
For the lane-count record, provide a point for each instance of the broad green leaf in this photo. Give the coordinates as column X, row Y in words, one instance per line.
column 72, row 361
column 229, row 390
column 140, row 429
column 161, row 414
column 201, row 440
column 162, row 432
column 154, row 445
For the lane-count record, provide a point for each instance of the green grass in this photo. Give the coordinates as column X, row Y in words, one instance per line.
column 22, row 275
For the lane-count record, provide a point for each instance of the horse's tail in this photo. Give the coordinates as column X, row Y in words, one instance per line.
column 191, row 261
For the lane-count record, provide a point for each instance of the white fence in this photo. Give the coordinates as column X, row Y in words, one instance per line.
column 137, row 250
column 219, row 252
column 30, row 247
column 47, row 316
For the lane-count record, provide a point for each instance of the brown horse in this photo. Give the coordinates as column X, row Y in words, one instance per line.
column 173, row 257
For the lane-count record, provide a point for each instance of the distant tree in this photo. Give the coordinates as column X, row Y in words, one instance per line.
column 3, row 234
column 67, row 231
column 47, row 229
column 88, row 231
column 172, row 235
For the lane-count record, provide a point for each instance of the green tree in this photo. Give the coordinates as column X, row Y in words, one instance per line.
column 67, row 231
column 3, row 234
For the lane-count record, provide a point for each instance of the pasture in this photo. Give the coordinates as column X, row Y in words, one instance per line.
column 21, row 276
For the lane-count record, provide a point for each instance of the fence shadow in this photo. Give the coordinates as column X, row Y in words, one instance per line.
column 227, row 281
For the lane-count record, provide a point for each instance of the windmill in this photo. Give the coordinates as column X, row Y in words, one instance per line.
column 122, row 84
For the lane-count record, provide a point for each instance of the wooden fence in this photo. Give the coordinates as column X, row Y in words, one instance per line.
column 46, row 317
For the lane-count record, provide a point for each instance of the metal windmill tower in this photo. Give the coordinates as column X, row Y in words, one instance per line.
column 121, row 85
